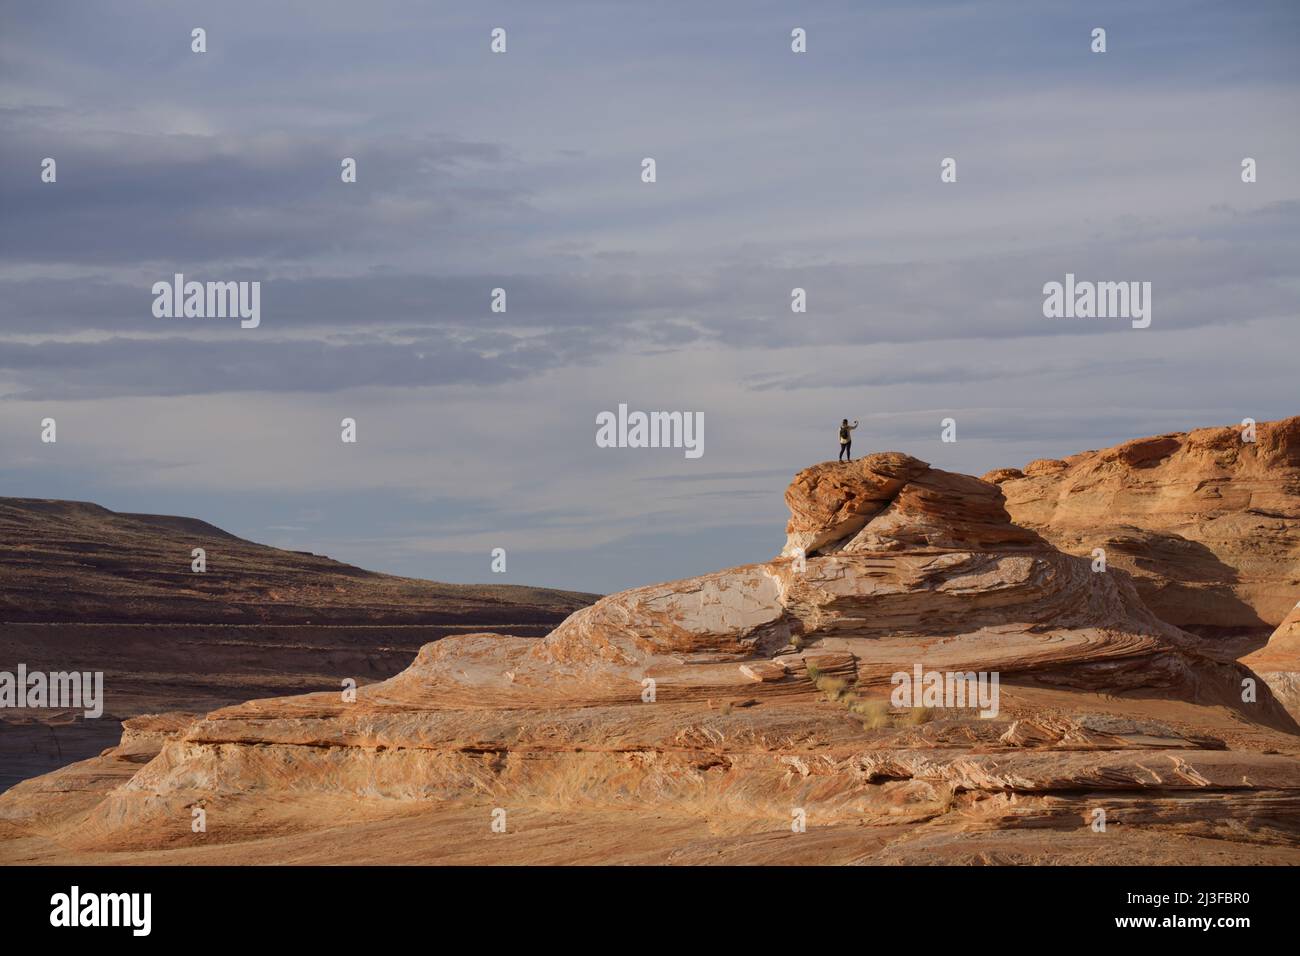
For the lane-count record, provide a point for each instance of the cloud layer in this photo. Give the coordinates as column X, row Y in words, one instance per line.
column 478, row 171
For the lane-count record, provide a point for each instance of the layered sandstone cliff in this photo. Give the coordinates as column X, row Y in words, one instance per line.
column 688, row 722
column 1207, row 522
column 1278, row 661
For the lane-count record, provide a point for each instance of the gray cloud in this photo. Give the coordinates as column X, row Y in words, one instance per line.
column 522, row 172
column 407, row 330
column 124, row 199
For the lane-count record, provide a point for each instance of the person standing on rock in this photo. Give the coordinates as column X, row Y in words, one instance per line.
column 846, row 439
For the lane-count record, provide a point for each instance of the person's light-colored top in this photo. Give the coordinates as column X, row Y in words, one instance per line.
column 844, row 439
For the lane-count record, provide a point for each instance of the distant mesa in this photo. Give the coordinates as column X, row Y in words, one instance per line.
column 76, row 562
column 87, row 589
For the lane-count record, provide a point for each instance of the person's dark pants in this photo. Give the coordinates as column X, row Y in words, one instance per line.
column 846, row 449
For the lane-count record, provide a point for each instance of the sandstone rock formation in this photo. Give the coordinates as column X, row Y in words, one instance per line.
column 1208, row 524
column 907, row 504
column 688, row 722
column 1278, row 662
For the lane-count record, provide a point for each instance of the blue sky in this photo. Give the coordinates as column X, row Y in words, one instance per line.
column 522, row 171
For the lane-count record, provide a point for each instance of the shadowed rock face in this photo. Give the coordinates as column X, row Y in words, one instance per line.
column 681, row 722
column 1209, row 525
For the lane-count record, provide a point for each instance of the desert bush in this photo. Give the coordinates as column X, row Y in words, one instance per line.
column 874, row 713
column 834, row 688
column 915, row 716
